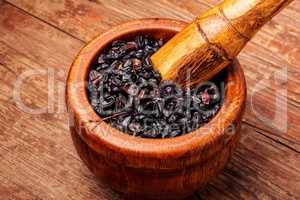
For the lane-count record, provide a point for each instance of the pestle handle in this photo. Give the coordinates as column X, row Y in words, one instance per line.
column 213, row 40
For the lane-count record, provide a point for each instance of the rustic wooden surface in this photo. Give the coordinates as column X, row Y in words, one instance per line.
column 37, row 158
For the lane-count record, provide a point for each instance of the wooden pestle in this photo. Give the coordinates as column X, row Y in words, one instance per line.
column 213, row 40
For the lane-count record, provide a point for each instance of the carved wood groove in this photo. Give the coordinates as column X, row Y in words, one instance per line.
column 229, row 22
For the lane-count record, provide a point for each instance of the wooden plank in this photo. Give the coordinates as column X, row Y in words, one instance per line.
column 267, row 54
column 37, row 163
column 85, row 19
column 259, row 169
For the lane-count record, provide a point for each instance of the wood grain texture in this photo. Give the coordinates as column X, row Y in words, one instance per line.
column 264, row 165
column 34, row 160
column 259, row 169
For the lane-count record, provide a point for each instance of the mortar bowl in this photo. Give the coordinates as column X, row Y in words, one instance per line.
column 142, row 168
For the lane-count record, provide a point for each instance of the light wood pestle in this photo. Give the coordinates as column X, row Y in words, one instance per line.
column 213, row 40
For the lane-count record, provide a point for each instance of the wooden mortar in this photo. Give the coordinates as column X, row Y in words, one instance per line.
column 213, row 40
column 142, row 168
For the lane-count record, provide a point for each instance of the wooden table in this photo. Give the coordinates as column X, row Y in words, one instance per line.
column 37, row 159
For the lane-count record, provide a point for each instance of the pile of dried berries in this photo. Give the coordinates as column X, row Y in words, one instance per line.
column 128, row 93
